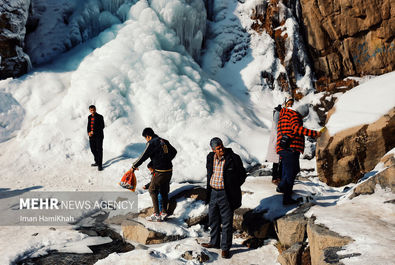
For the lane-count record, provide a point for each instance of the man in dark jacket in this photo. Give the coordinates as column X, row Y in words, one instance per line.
column 225, row 175
column 161, row 153
column 95, row 132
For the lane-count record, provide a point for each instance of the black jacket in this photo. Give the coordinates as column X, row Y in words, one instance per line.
column 161, row 153
column 98, row 125
column 234, row 177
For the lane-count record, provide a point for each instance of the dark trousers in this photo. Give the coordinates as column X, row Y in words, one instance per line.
column 96, row 144
column 219, row 213
column 160, row 183
column 277, row 171
column 290, row 168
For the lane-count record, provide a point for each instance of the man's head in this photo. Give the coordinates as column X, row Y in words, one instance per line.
column 289, row 101
column 217, row 146
column 92, row 109
column 148, row 133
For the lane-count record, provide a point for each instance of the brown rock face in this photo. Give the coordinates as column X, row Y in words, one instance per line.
column 348, row 155
column 13, row 16
column 350, row 37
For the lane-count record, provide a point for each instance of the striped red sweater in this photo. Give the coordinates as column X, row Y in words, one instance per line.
column 291, row 123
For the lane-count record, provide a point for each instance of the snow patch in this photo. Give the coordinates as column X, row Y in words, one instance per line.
column 364, row 104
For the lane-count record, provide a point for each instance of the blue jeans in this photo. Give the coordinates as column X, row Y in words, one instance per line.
column 219, row 213
column 160, row 202
column 290, row 168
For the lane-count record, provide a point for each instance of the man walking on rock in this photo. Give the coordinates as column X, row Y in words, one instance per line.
column 161, row 153
column 225, row 175
column 95, row 132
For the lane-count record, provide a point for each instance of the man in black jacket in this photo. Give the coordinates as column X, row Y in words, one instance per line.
column 161, row 153
column 95, row 132
column 225, row 175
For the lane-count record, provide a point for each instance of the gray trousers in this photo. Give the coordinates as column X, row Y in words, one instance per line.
column 220, row 212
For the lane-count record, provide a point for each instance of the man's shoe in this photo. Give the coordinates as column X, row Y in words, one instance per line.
column 94, row 165
column 163, row 216
column 290, row 202
column 279, row 190
column 225, row 254
column 154, row 218
column 100, row 168
column 208, row 245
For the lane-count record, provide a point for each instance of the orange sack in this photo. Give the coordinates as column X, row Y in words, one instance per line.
column 129, row 181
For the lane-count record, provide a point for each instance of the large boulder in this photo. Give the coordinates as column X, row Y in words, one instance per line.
column 322, row 242
column 346, row 156
column 291, row 228
column 353, row 37
column 13, row 16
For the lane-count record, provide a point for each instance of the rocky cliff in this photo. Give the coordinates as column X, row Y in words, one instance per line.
column 13, row 16
column 350, row 37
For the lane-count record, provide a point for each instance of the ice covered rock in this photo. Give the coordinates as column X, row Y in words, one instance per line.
column 281, row 56
column 142, row 232
column 13, row 16
column 187, row 19
column 60, row 25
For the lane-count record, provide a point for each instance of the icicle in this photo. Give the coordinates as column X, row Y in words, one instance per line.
column 187, row 18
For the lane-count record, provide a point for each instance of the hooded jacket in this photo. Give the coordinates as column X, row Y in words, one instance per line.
column 234, row 176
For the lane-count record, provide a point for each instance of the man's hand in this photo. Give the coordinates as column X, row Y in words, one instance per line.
column 90, row 133
column 319, row 133
column 134, row 169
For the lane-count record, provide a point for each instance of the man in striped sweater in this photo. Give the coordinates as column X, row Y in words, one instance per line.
column 290, row 125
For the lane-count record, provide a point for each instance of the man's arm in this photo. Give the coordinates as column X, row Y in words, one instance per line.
column 242, row 172
column 209, row 169
column 144, row 156
column 87, row 127
column 101, row 122
column 297, row 129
